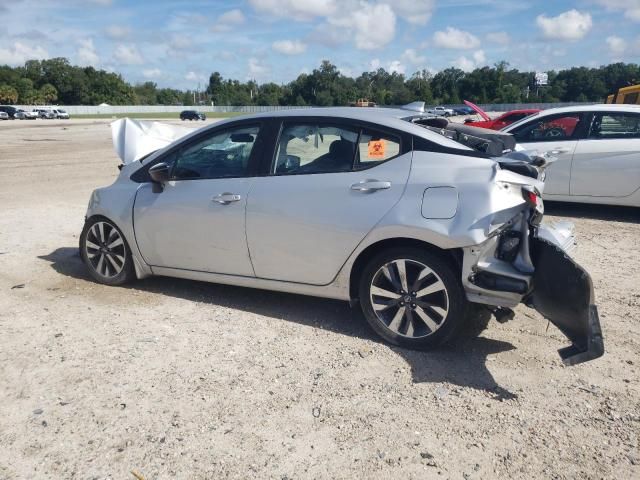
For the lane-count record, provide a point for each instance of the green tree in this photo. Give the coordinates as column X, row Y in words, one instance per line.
column 8, row 94
column 48, row 93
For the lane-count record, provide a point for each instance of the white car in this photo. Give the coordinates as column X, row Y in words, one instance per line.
column 4, row 116
column 60, row 114
column 441, row 111
column 597, row 149
column 24, row 115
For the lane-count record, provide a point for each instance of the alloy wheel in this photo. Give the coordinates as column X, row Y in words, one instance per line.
column 105, row 249
column 409, row 298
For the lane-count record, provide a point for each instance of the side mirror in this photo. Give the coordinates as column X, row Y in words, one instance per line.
column 159, row 174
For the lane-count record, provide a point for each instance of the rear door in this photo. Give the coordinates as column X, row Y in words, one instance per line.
column 557, row 133
column 327, row 186
column 607, row 162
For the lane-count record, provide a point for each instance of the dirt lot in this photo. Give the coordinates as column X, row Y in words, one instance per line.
column 180, row 379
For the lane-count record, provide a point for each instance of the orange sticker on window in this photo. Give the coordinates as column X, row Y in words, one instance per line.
column 376, row 148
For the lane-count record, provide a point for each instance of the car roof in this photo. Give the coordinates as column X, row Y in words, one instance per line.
column 596, row 107
column 524, row 110
column 395, row 118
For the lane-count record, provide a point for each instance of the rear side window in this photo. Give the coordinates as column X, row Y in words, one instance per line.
column 313, row 148
column 326, row 148
column 375, row 147
column 615, row 125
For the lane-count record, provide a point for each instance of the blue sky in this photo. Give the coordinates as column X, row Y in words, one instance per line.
column 179, row 43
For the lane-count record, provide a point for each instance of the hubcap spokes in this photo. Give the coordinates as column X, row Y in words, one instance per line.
column 409, row 298
column 104, row 247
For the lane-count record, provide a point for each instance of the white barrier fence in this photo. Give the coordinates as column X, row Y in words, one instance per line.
column 150, row 109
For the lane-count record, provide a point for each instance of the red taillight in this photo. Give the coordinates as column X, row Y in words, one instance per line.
column 530, row 196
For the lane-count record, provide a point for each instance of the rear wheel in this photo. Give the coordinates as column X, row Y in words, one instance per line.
column 412, row 298
column 105, row 252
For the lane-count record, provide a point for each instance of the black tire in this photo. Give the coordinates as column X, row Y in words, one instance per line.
column 453, row 297
column 90, row 236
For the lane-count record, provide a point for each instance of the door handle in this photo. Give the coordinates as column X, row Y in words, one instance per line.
column 556, row 151
column 226, row 198
column 370, row 186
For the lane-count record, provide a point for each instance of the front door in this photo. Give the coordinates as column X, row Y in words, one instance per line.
column 553, row 133
column 198, row 221
column 327, row 187
column 607, row 162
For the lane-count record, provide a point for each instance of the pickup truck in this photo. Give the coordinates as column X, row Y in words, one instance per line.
column 441, row 111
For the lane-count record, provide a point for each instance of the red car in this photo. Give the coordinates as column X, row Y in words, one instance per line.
column 500, row 122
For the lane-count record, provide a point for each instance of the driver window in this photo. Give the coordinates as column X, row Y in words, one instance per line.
column 225, row 154
column 549, row 129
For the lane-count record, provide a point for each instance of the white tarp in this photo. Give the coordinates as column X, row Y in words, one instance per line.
column 133, row 139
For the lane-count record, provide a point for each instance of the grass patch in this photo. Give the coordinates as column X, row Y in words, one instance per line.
column 162, row 115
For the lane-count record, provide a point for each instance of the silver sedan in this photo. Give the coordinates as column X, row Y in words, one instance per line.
column 382, row 208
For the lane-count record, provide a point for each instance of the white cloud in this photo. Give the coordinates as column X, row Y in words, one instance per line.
column 375, row 64
column 117, row 32
column 257, row 69
column 127, row 55
column 228, row 20
column 412, row 57
column 180, row 42
column 417, row 12
column 478, row 59
column 18, row 53
column 396, row 67
column 303, row 10
column 289, row 47
column 616, row 45
column 456, row 39
column 570, row 25
column 374, row 26
column 104, row 3
column 631, row 8
column 86, row 53
column 194, row 77
column 501, row 38
column 151, row 73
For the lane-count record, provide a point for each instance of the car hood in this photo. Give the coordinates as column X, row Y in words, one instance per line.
column 481, row 112
column 133, row 139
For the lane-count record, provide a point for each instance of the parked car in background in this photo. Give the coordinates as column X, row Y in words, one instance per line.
column 464, row 110
column 500, row 122
column 362, row 102
column 21, row 114
column 45, row 113
column 441, row 111
column 597, row 149
column 60, row 114
column 9, row 110
column 361, row 205
column 192, row 115
column 4, row 115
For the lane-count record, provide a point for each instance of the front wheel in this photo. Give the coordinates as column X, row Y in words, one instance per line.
column 412, row 298
column 105, row 252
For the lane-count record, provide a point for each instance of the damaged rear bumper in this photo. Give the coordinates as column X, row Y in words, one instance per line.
column 563, row 293
column 542, row 275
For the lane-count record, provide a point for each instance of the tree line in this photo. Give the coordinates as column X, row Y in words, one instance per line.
column 57, row 81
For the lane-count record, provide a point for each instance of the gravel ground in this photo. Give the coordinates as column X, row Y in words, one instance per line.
column 179, row 379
